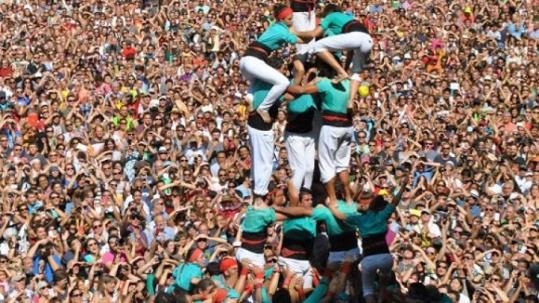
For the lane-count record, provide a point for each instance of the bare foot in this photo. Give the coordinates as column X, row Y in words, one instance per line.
column 339, row 78
column 249, row 100
column 264, row 115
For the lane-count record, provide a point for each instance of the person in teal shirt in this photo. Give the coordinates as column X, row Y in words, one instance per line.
column 342, row 235
column 261, row 135
column 371, row 221
column 187, row 275
column 300, row 138
column 348, row 34
column 254, row 234
column 300, row 131
column 254, row 63
column 298, row 240
column 336, row 132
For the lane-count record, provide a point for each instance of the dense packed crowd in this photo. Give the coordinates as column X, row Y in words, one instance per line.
column 127, row 166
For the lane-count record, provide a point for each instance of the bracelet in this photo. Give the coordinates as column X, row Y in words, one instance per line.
column 259, row 285
column 286, row 281
column 244, row 271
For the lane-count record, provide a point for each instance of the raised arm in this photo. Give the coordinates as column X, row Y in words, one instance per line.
column 398, row 197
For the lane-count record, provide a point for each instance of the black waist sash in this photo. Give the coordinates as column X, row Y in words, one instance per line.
column 374, row 245
column 258, row 50
column 354, row 26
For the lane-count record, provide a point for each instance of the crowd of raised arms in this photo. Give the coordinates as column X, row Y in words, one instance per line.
column 235, row 151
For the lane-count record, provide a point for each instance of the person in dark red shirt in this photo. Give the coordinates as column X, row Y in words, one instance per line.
column 5, row 69
column 129, row 51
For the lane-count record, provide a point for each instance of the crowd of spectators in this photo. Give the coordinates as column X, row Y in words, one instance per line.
column 125, row 160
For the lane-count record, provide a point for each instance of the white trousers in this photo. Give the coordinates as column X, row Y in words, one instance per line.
column 253, row 68
column 256, row 259
column 262, row 148
column 301, row 152
column 361, row 43
column 301, row 267
column 334, row 151
column 303, row 22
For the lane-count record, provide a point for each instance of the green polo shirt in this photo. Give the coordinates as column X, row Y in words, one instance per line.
column 371, row 222
column 334, row 226
column 184, row 273
column 256, row 220
column 335, row 22
column 319, row 292
column 334, row 96
column 300, row 228
column 301, row 104
column 260, row 90
column 276, row 36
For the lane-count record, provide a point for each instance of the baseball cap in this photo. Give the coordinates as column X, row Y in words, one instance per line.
column 415, row 212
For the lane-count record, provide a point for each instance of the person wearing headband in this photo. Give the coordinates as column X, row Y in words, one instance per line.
column 254, row 63
column 187, row 275
column 345, row 33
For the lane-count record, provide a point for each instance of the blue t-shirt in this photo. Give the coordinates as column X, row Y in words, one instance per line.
column 47, row 271
column 276, row 36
